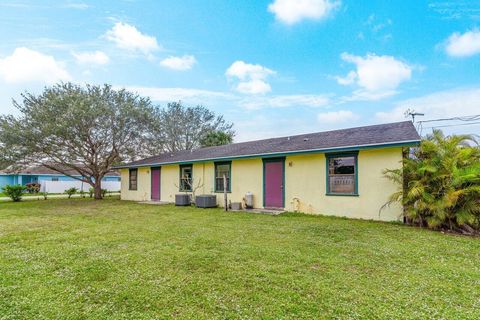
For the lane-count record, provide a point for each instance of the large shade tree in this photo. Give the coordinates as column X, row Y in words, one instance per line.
column 187, row 128
column 86, row 129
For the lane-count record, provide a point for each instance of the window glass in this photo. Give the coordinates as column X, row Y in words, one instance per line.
column 222, row 169
column 186, row 178
column 341, row 175
column 133, row 175
column 54, row 179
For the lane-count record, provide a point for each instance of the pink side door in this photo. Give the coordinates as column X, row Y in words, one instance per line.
column 155, row 184
column 273, row 183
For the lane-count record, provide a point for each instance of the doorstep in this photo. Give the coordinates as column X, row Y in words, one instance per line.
column 155, row 202
column 273, row 212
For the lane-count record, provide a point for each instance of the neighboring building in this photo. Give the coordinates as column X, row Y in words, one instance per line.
column 40, row 174
column 337, row 172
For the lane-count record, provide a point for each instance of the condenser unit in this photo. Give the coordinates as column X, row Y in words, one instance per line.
column 206, row 201
column 182, row 200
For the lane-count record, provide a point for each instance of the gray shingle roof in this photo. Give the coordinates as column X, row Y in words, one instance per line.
column 376, row 135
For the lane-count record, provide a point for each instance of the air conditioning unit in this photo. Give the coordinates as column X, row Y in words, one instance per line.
column 206, row 201
column 182, row 199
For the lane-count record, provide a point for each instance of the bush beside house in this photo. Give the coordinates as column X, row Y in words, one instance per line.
column 439, row 185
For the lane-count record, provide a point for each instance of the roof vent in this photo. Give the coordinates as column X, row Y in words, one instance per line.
column 288, row 138
column 305, row 139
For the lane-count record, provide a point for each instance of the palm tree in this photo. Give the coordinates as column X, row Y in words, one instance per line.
column 439, row 184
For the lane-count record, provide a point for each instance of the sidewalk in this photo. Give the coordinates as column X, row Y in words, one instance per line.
column 54, row 196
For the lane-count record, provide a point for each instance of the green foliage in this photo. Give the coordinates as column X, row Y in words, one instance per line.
column 91, row 191
column 81, row 259
column 440, row 183
column 104, row 192
column 183, row 128
column 69, row 125
column 82, row 193
column 216, row 138
column 71, row 191
column 15, row 192
column 44, row 194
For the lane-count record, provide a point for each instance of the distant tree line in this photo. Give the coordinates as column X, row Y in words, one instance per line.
column 89, row 129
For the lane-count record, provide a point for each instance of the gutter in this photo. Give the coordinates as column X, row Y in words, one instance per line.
column 277, row 154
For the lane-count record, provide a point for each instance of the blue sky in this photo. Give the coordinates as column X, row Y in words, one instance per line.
column 274, row 68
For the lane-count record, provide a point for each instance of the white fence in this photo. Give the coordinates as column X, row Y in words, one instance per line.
column 61, row 186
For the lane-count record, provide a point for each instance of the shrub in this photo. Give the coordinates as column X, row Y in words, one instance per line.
column 15, row 192
column 71, row 192
column 439, row 185
column 44, row 194
column 82, row 193
column 104, row 192
column 33, row 187
column 91, row 191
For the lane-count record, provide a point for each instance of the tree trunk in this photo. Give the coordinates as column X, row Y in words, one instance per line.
column 98, row 189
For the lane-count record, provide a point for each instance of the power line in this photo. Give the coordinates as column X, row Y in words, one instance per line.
column 464, row 118
column 452, row 125
column 467, row 119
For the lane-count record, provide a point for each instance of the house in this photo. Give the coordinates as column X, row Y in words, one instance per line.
column 336, row 172
column 39, row 174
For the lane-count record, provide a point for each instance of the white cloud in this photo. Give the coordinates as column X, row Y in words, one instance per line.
column 293, row 11
column 252, row 77
column 26, row 65
column 254, row 87
column 176, row 94
column 365, row 95
column 442, row 104
column 192, row 95
column 285, row 101
column 95, row 57
column 376, row 76
column 185, row 62
column 463, row 45
column 337, row 116
column 127, row 37
column 247, row 71
column 76, row 5
column 348, row 79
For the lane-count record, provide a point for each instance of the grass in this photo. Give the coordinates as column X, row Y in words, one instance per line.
column 26, row 194
column 86, row 259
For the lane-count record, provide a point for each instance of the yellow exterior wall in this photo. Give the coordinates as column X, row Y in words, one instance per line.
column 169, row 179
column 143, row 185
column 244, row 173
column 247, row 176
column 305, row 184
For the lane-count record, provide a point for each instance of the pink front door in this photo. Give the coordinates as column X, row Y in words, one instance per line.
column 155, row 184
column 273, row 183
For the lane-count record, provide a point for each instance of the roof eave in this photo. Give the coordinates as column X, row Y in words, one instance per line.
column 405, row 143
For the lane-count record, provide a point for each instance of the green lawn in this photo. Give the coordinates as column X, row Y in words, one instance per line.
column 86, row 259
